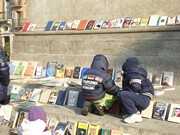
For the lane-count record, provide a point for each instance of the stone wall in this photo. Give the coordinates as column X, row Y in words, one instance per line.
column 157, row 48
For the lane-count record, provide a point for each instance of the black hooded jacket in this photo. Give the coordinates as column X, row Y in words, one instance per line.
column 96, row 81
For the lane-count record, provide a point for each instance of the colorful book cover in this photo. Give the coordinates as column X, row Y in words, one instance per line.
column 49, row 25
column 153, row 20
column 75, row 24
column 105, row 132
column 116, row 132
column 105, row 24
column 21, row 67
column 53, row 97
column 111, row 24
column 72, row 98
column 82, row 128
column 15, row 92
column 119, row 23
column 174, row 113
column 52, row 124
column 82, row 25
column 111, row 72
column 135, row 22
column 68, row 72
column 162, row 21
column 71, row 128
column 68, row 25
column 31, row 27
column 60, row 71
column 83, row 71
column 12, row 65
column 61, row 128
column 90, row 25
column 26, row 26
column 98, row 24
column 22, row 115
column 55, row 26
column 31, row 68
column 62, row 25
column 77, row 72
column 144, row 22
column 127, row 22
column 51, row 68
column 93, row 129
column 27, row 94
column 160, row 110
column 62, row 97
column 118, row 75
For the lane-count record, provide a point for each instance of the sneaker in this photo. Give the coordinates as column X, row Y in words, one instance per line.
column 133, row 118
column 87, row 108
column 99, row 109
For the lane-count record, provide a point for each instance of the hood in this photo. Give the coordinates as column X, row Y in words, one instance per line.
column 140, row 71
column 100, row 61
column 130, row 63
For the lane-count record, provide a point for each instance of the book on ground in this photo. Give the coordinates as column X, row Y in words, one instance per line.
column 52, row 124
column 135, row 22
column 105, row 24
column 71, row 128
column 31, row 27
column 36, row 94
column 77, row 72
column 68, row 72
column 26, row 26
column 27, row 94
column 22, row 115
column 21, row 67
column 116, row 132
column 157, row 79
column 80, row 100
column 160, row 110
column 93, row 129
column 111, row 24
column 75, row 24
column 104, row 132
column 118, row 75
column 62, row 25
column 60, row 71
column 12, row 65
column 127, row 22
column 119, row 23
column 49, row 25
column 31, row 68
column 15, row 92
column 51, row 68
column 98, row 24
column 90, row 25
column 72, row 98
column 5, row 111
column 62, row 97
column 61, row 128
column 174, row 113
column 177, row 22
column 82, row 25
column 83, row 70
column 68, row 25
column 82, row 128
column 162, row 21
column 171, row 20
column 53, row 97
column 144, row 22
column 147, row 113
column 45, row 94
column 55, row 26
column 153, row 20
column 167, row 79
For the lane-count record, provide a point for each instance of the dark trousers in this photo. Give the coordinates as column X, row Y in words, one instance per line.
column 133, row 102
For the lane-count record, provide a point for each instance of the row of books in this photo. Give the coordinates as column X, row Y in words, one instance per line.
column 153, row 20
column 71, row 96
column 162, row 111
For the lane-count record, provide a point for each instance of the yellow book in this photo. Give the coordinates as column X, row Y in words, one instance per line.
column 82, row 128
column 93, row 129
column 144, row 22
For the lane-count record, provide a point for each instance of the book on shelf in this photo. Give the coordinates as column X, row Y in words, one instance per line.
column 144, row 22
column 21, row 67
column 116, row 132
column 93, row 129
column 82, row 25
column 32, row 27
column 62, row 25
column 127, row 22
column 52, row 124
column 61, row 128
column 5, row 111
column 119, row 23
column 104, row 131
column 49, row 25
column 27, row 94
column 111, row 24
column 160, row 110
column 118, row 75
column 90, row 25
column 177, row 22
column 77, row 72
column 153, row 20
column 167, row 79
column 26, row 26
column 82, row 127
column 147, row 113
column 105, row 24
column 53, row 97
column 68, row 25
column 31, row 68
column 135, row 22
column 55, row 26
column 71, row 128
column 98, row 24
column 12, row 65
column 162, row 21
column 15, row 92
column 174, row 113
column 83, row 70
column 62, row 97
column 171, row 20
column 75, row 24
column 60, row 71
column 51, row 68
column 45, row 94
column 68, row 72
column 36, row 94
column 72, row 98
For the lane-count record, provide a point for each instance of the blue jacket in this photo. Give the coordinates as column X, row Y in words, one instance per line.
column 96, row 81
column 4, row 75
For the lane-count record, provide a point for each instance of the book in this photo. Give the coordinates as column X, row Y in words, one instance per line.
column 75, row 24
column 82, row 25
column 27, row 94
column 60, row 71
column 15, row 92
column 105, row 24
column 167, row 79
column 75, row 82
column 26, row 26
column 14, row 118
column 12, row 65
column 147, row 113
column 61, row 128
column 111, row 72
column 177, row 22
column 45, row 94
column 153, row 20
column 119, row 23
column 160, row 110
column 68, row 25
column 77, row 72
column 82, row 128
column 171, row 20
column 36, row 94
column 31, row 68
column 38, row 70
column 90, row 25
column 162, row 21
column 22, row 115
column 144, row 22
column 93, row 129
column 158, row 92
column 83, row 70
column 51, row 68
column 52, row 124
column 118, row 75
column 53, row 97
column 149, row 76
column 5, row 111
column 98, row 24
column 62, row 25
column 72, row 98
column 111, row 24
column 135, row 22
column 31, row 27
column 116, row 132
column 21, row 67
column 174, row 113
column 127, row 22
column 55, row 26
column 80, row 100
column 157, row 79
column 62, row 97
column 43, row 72
column 68, row 72
column 71, row 128
column 104, row 132
column 49, row 25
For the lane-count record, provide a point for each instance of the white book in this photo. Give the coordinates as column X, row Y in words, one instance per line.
column 119, row 23
column 153, row 20
column 45, row 94
column 177, row 20
column 75, row 24
column 162, row 20
column 31, row 27
column 36, row 95
column 39, row 70
column 167, row 79
column 5, row 111
column 171, row 20
column 72, row 98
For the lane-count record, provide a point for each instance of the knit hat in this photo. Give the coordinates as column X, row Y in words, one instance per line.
column 36, row 113
column 130, row 63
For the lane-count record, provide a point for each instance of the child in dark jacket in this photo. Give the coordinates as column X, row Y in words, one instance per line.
column 4, row 78
column 99, row 90
column 137, row 90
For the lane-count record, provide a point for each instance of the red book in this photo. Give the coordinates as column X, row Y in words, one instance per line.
column 82, row 25
column 26, row 26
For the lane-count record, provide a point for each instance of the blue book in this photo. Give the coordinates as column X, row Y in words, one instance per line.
column 80, row 100
column 62, row 96
column 62, row 25
column 51, row 68
column 48, row 26
column 83, row 71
